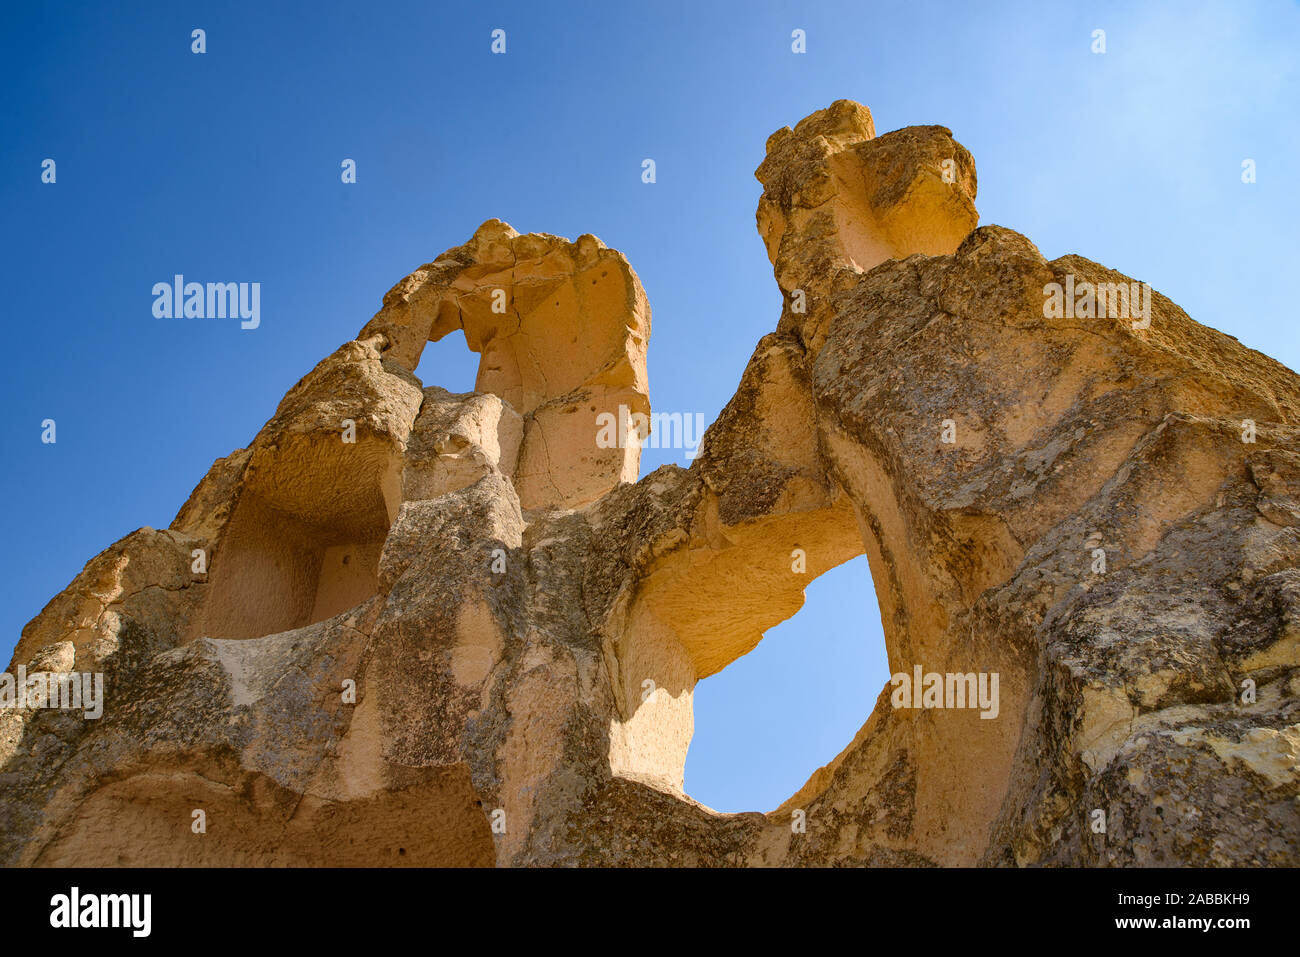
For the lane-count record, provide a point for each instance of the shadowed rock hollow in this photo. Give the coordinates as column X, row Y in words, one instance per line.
column 1102, row 511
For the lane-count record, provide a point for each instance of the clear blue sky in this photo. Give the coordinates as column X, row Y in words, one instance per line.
column 226, row 166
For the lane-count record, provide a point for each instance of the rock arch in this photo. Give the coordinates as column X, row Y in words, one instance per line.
column 561, row 329
column 526, row 589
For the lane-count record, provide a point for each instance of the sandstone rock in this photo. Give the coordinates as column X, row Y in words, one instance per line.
column 562, row 330
column 468, row 636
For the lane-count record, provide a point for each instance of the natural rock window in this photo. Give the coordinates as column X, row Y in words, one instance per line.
column 525, row 646
column 770, row 719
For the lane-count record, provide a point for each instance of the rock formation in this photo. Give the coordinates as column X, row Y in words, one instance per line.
column 410, row 627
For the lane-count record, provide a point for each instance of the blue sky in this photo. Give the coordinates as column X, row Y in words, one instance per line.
column 226, row 166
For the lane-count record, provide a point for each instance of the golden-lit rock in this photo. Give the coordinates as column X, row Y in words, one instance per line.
column 406, row 626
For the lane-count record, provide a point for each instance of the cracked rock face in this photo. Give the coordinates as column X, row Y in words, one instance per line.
column 406, row 626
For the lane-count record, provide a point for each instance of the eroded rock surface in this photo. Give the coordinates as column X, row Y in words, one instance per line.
column 410, row 627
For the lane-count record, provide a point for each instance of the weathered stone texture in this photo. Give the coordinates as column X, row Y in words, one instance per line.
column 524, row 623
